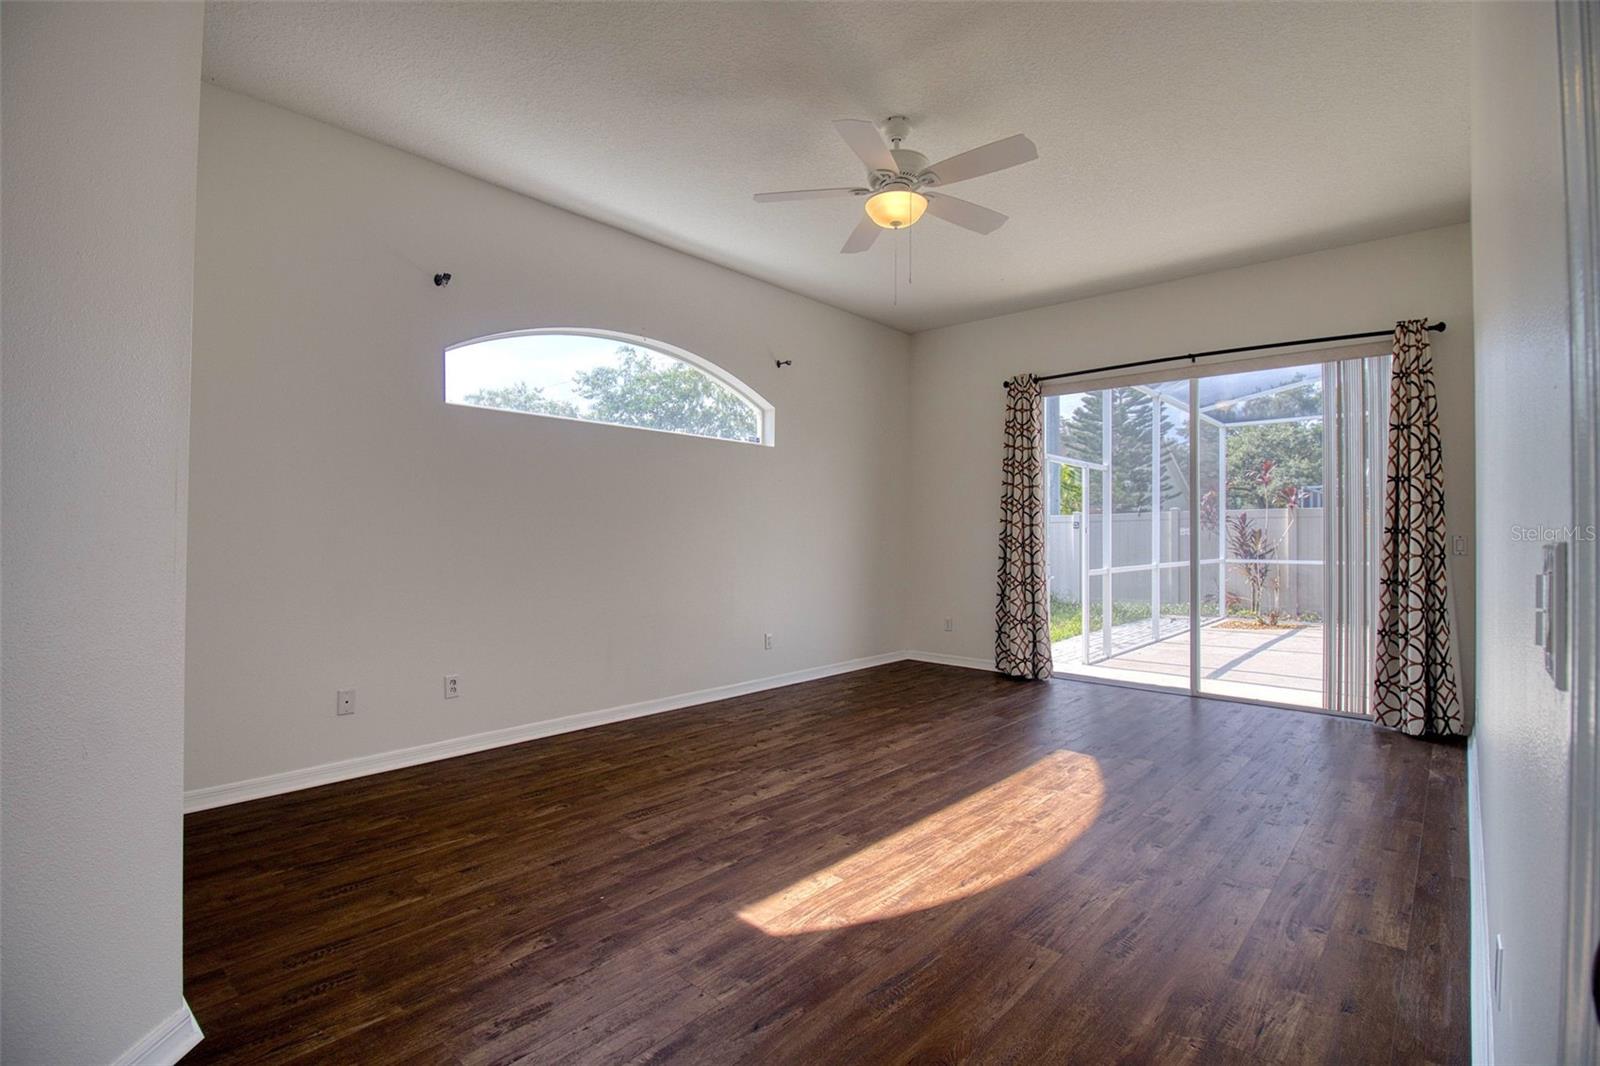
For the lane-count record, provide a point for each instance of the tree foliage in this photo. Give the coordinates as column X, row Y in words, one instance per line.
column 1133, row 411
column 1071, row 490
column 677, row 397
column 639, row 391
column 1291, row 450
column 1294, row 448
column 1296, row 398
column 523, row 397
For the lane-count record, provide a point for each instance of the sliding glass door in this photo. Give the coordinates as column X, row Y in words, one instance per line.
column 1267, row 496
column 1218, row 534
column 1119, row 537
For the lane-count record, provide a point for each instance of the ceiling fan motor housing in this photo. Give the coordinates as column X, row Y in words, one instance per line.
column 911, row 164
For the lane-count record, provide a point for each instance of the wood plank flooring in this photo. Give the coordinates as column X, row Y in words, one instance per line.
column 912, row 863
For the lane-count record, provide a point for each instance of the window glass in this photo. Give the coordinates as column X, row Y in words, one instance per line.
column 596, row 378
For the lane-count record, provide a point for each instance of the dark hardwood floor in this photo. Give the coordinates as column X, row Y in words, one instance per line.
column 907, row 864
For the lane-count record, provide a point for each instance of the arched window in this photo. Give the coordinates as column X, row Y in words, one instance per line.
column 599, row 376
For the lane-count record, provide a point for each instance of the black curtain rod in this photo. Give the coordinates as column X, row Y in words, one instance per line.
column 1437, row 327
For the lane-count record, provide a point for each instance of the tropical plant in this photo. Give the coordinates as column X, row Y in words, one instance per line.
column 1208, row 510
column 1262, row 487
column 1250, row 544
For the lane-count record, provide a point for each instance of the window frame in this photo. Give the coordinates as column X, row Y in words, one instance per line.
column 765, row 412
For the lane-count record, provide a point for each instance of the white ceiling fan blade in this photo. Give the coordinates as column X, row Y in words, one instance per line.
column 964, row 213
column 862, row 236
column 997, row 155
column 807, row 194
column 867, row 143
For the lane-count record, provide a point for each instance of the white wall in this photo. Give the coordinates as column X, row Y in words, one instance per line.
column 100, row 123
column 957, row 404
column 350, row 530
column 1524, row 479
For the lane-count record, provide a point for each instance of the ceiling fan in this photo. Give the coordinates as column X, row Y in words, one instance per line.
column 900, row 182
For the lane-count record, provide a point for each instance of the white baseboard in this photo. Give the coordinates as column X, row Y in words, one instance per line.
column 201, row 799
column 166, row 1043
column 950, row 660
column 1481, row 953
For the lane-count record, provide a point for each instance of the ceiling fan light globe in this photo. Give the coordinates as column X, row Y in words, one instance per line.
column 896, row 208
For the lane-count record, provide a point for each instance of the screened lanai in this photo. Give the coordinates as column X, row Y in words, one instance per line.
column 1229, row 474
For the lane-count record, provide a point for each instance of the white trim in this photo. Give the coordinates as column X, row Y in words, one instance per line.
column 1479, row 957
column 166, row 1043
column 1577, row 37
column 941, row 659
column 1062, row 673
column 201, row 799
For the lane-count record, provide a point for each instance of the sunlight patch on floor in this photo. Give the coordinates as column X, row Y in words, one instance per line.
column 983, row 840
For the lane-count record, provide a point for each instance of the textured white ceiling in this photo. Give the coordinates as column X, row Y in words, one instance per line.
column 1173, row 138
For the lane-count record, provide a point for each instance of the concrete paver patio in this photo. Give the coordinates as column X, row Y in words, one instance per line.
column 1279, row 665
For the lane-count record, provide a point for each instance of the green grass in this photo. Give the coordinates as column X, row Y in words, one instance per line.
column 1066, row 616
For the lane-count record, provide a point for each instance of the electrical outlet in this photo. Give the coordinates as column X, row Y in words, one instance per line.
column 452, row 686
column 766, row 641
column 949, row 625
column 346, row 702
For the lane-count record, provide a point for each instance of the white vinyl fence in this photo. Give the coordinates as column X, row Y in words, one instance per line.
column 1295, row 584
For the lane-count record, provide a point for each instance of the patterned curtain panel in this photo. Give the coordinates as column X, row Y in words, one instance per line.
column 1415, row 688
column 1022, row 620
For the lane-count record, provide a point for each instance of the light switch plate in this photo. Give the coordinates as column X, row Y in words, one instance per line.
column 1550, row 611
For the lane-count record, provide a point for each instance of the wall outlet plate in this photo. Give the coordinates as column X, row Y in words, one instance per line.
column 345, row 701
column 452, row 686
column 766, row 641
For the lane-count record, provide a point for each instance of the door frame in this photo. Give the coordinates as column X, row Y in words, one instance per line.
column 1192, row 378
column 1578, row 38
